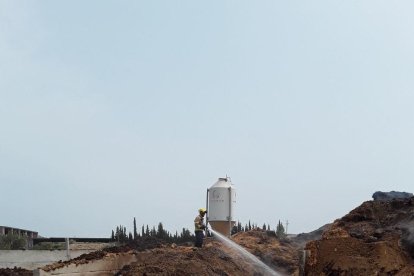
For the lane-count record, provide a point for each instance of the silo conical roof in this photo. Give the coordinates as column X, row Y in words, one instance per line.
column 222, row 182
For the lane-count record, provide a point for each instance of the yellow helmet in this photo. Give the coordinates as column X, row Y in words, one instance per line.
column 202, row 210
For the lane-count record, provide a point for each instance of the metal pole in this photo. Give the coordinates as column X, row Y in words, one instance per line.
column 287, row 223
column 67, row 245
column 229, row 211
column 208, row 190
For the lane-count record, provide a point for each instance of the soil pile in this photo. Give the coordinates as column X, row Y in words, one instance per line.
column 216, row 259
column 374, row 239
column 86, row 258
column 157, row 258
column 15, row 272
column 141, row 245
column 180, row 260
column 281, row 255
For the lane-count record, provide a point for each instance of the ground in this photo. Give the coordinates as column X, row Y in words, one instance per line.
column 282, row 255
column 15, row 272
column 374, row 239
column 210, row 260
column 216, row 259
column 156, row 258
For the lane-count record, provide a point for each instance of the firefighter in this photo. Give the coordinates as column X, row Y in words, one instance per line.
column 199, row 227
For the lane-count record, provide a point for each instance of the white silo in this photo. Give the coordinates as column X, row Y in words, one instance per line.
column 221, row 200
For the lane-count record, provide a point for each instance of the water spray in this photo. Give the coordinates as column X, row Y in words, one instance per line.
column 243, row 253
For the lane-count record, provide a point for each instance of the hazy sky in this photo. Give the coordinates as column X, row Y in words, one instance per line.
column 111, row 110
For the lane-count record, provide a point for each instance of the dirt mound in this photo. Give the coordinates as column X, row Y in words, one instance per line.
column 377, row 238
column 86, row 258
column 212, row 259
column 16, row 271
column 282, row 255
column 155, row 258
column 140, row 245
column 374, row 239
column 217, row 259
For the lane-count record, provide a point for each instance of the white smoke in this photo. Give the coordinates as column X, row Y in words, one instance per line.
column 408, row 237
column 410, row 230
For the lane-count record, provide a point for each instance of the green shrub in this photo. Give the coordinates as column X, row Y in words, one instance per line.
column 12, row 242
column 49, row 246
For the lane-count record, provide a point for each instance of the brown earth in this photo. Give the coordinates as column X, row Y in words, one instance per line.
column 16, row 271
column 216, row 259
column 209, row 260
column 86, row 258
column 155, row 258
column 281, row 255
column 376, row 238
column 144, row 244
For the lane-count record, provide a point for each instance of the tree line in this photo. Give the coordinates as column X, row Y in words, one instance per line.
column 120, row 234
column 280, row 231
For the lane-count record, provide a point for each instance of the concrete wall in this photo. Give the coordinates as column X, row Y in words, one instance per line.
column 32, row 259
column 30, row 234
column 107, row 266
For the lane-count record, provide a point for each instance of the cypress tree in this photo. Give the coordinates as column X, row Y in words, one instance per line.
column 135, row 229
column 160, row 231
column 280, row 230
